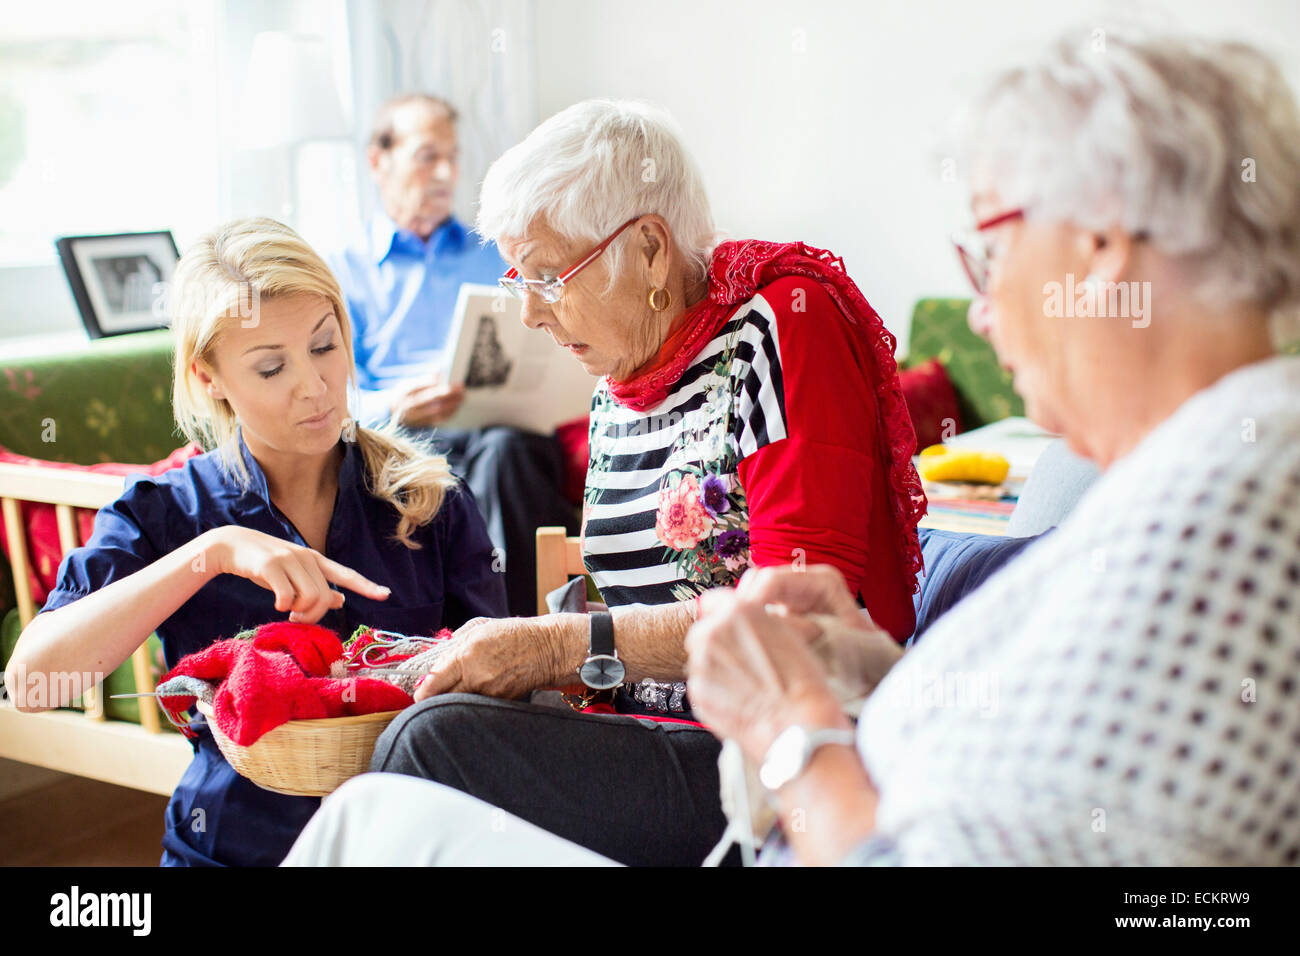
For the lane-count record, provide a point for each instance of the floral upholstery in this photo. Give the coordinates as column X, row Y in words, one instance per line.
column 107, row 401
column 110, row 400
column 984, row 392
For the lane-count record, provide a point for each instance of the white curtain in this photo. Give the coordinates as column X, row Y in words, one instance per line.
column 478, row 54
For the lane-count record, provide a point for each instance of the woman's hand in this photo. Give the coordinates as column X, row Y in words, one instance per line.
column 751, row 673
column 816, row 590
column 299, row 577
column 500, row 657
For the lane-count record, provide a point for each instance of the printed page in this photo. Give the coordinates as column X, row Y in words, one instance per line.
column 512, row 375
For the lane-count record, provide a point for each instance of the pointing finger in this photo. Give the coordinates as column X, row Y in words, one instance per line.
column 352, row 580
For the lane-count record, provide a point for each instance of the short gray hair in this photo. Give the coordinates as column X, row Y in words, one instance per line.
column 592, row 167
column 1192, row 141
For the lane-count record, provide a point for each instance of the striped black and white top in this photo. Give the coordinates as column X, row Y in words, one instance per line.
column 665, row 516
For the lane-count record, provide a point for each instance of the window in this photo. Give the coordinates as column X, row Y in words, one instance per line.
column 106, row 122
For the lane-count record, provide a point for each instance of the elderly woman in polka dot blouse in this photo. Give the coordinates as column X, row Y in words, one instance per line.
column 1124, row 691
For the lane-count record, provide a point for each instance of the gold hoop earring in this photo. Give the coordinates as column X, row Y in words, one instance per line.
column 668, row 299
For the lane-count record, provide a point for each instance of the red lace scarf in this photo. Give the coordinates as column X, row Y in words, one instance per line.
column 736, row 273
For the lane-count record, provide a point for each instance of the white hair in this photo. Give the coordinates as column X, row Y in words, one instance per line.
column 592, row 167
column 1194, row 142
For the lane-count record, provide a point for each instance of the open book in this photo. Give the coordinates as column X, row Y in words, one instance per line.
column 512, row 375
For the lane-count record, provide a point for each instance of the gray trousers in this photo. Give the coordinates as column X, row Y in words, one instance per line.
column 638, row 792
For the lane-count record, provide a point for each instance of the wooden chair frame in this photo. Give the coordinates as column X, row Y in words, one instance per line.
column 87, row 744
column 559, row 558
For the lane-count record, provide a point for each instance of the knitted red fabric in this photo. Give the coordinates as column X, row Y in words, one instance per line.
column 276, row 677
column 312, row 646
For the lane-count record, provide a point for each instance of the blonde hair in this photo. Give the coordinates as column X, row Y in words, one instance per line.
column 220, row 281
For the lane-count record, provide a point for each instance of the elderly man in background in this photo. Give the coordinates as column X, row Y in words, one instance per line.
column 401, row 289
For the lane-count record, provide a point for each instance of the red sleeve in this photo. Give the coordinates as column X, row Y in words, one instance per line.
column 809, row 493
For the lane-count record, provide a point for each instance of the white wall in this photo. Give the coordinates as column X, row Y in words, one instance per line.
column 838, row 145
column 819, row 120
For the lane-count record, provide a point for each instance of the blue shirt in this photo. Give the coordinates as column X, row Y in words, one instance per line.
column 215, row 816
column 401, row 293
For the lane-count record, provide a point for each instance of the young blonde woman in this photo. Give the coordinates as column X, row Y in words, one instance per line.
column 294, row 510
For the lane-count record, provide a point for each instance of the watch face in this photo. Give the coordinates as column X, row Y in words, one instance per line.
column 784, row 759
column 602, row 671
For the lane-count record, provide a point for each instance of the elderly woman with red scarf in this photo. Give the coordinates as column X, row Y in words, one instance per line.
column 747, row 413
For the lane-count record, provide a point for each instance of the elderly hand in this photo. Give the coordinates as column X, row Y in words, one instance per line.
column 751, row 674
column 817, row 590
column 426, row 405
column 500, row 657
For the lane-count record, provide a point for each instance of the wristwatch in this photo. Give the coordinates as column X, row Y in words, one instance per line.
column 602, row 670
column 793, row 748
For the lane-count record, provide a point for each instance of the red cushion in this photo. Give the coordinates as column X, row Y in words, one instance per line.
column 573, row 438
column 43, row 549
column 932, row 402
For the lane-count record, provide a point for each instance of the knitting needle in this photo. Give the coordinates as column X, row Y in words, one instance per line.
column 361, row 673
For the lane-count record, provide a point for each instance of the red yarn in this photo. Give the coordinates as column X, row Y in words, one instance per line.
column 312, row 646
column 277, row 676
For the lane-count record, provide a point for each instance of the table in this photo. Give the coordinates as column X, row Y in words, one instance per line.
column 1018, row 440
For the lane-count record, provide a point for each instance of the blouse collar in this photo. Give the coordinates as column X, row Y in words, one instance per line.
column 348, row 469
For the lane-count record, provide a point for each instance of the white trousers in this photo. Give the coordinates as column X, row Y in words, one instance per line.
column 389, row 819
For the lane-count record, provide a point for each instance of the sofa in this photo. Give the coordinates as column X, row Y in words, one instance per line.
column 102, row 401
column 106, row 401
column 983, row 388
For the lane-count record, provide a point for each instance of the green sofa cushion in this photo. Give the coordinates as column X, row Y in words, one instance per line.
column 984, row 392
column 108, row 401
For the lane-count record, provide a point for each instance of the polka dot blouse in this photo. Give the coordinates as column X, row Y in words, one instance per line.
column 1125, row 692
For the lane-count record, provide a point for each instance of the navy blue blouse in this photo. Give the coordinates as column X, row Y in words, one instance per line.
column 215, row 816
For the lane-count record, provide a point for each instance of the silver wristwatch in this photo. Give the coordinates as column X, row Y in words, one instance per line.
column 793, row 748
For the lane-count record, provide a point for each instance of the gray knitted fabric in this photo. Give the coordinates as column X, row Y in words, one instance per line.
column 184, row 686
column 406, row 674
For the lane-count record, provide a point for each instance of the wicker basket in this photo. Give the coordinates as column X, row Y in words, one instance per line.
column 305, row 758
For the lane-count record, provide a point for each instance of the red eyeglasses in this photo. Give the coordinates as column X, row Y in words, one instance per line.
column 973, row 251
column 550, row 290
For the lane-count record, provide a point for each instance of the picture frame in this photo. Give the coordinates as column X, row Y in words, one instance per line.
column 118, row 280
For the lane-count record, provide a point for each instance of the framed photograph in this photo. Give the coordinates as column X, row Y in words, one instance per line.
column 118, row 280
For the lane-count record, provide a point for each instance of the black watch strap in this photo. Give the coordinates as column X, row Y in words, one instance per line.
column 602, row 633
